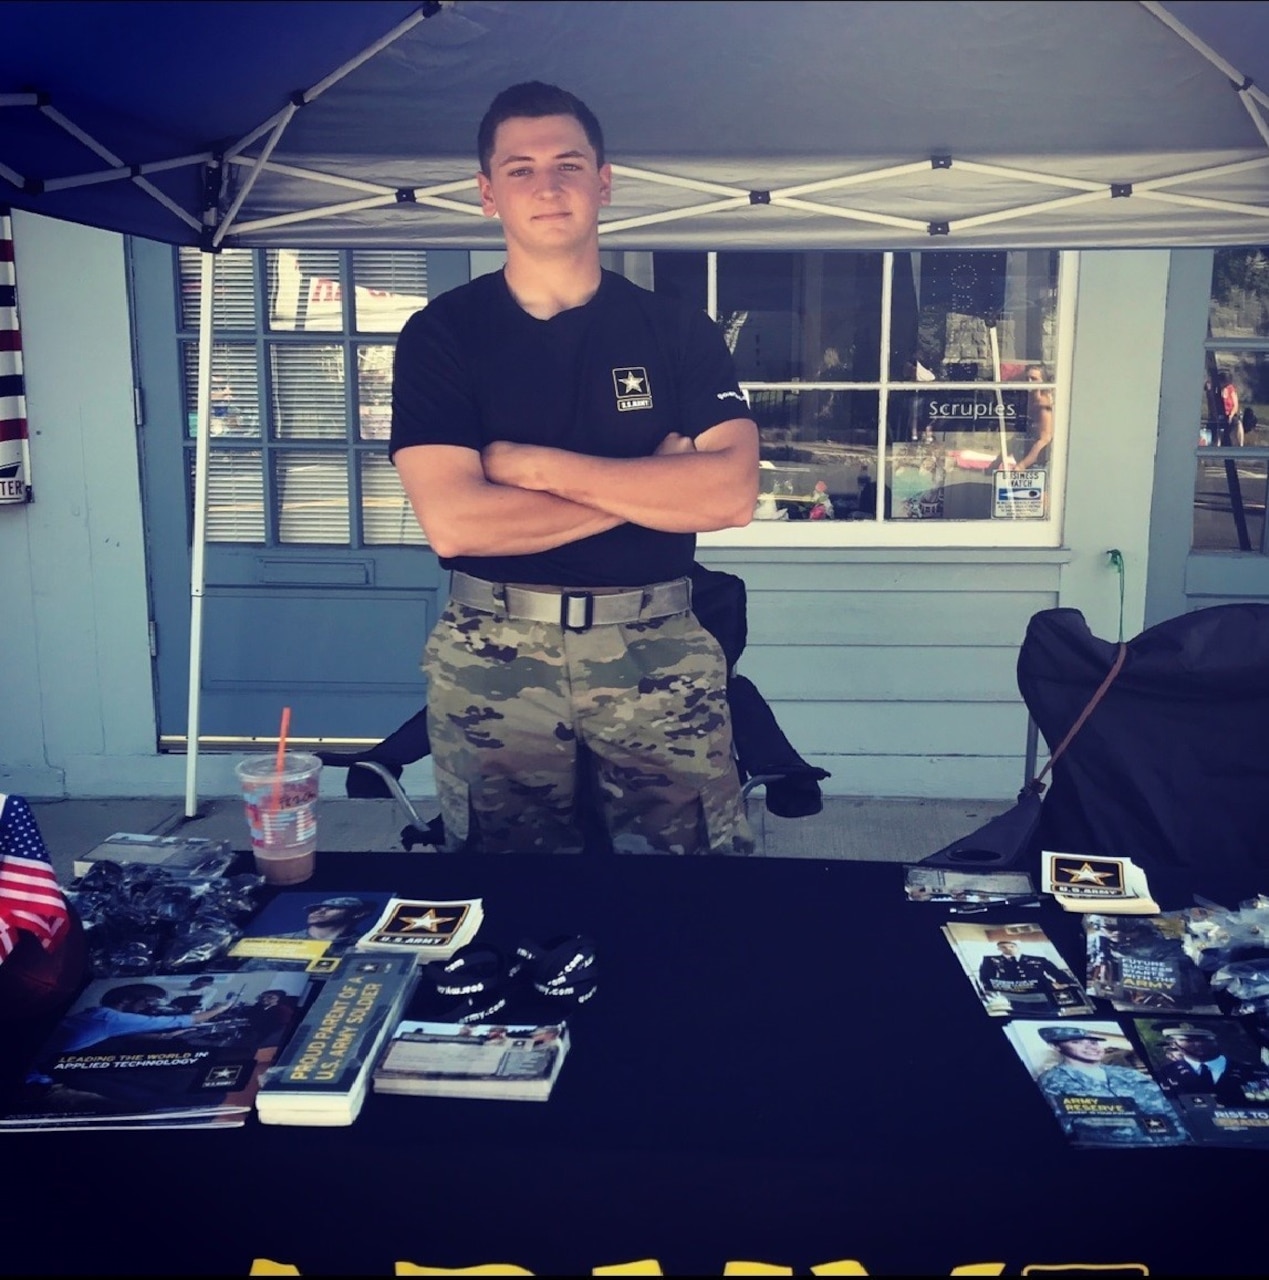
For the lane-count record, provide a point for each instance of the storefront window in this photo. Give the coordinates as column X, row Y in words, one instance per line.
column 1232, row 449
column 302, row 393
column 902, row 398
column 937, row 372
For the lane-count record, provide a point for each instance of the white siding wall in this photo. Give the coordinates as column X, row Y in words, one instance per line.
column 894, row 670
column 78, row 706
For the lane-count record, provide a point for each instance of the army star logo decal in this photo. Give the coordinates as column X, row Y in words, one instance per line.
column 430, row 921
column 632, row 388
column 1086, row 875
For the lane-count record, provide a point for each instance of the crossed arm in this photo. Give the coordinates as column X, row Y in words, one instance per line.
column 515, row 499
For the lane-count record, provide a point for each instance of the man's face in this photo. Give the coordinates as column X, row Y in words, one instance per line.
column 1200, row 1048
column 544, row 184
column 1007, row 948
column 1083, row 1050
column 327, row 917
column 141, row 1004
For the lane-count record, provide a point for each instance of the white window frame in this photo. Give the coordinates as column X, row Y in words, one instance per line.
column 924, row 533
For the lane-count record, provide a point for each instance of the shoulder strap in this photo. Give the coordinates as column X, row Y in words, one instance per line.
column 1037, row 783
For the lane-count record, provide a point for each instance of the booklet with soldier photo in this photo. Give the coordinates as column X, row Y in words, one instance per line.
column 1139, row 964
column 1016, row 971
column 308, row 930
column 1093, row 1081
column 161, row 1051
column 1214, row 1073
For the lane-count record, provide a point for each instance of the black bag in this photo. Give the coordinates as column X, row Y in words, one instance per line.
column 1007, row 839
column 1173, row 771
column 1013, row 837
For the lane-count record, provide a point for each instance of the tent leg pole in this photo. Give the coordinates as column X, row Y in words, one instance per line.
column 198, row 571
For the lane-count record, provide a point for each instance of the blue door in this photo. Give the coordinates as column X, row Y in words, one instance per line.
column 320, row 588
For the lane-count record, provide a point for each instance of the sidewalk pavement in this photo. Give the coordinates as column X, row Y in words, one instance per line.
column 861, row 828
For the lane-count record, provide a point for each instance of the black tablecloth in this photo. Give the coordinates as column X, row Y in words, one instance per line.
column 784, row 1064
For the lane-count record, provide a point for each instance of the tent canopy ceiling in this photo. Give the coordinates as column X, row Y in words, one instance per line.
column 800, row 124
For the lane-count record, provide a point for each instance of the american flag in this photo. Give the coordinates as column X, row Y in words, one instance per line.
column 30, row 898
column 15, row 461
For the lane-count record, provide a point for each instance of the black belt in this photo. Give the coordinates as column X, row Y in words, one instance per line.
column 574, row 610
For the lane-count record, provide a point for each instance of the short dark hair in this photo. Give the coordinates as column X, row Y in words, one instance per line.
column 117, row 996
column 533, row 100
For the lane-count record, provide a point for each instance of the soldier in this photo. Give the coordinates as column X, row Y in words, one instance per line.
column 333, row 920
column 1200, row 1066
column 1031, row 984
column 563, row 435
column 1148, row 1120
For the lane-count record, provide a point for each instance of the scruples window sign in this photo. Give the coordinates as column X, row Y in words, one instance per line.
column 651, row 1267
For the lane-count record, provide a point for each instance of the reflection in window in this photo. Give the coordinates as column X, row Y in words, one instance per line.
column 1233, row 406
column 1229, row 504
column 973, row 317
column 235, row 389
column 806, row 317
column 934, row 370
column 1240, row 293
column 374, row 391
column 235, row 495
column 312, row 498
column 1235, row 400
column 233, row 295
column 288, row 367
column 308, row 391
column 819, row 454
column 305, row 290
column 387, row 519
column 391, row 285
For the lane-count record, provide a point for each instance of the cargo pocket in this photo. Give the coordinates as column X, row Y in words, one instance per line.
column 455, row 801
column 725, row 827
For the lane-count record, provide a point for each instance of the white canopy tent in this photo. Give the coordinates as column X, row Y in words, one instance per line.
column 820, row 124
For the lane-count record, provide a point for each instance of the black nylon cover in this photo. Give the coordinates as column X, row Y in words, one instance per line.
column 1172, row 767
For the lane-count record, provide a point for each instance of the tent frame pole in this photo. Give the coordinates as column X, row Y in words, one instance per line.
column 198, row 566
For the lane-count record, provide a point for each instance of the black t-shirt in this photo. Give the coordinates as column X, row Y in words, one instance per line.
column 611, row 379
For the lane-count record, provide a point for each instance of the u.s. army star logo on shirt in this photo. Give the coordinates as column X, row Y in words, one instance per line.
column 632, row 388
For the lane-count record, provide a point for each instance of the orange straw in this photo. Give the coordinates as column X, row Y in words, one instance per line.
column 275, row 802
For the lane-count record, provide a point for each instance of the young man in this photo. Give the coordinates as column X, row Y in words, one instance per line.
column 1032, row 984
column 1202, row 1067
column 562, row 436
column 1082, row 1073
column 334, row 920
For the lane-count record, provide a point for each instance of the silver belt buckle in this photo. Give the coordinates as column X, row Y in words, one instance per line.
column 576, row 605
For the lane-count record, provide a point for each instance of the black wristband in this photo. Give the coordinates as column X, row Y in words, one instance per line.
column 470, row 971
column 565, row 968
column 563, row 961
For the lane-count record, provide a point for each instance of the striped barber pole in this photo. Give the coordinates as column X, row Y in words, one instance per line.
column 15, row 457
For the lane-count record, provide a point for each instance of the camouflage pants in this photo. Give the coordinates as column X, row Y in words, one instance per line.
column 510, row 701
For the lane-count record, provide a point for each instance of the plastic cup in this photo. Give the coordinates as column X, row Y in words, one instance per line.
column 282, row 814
